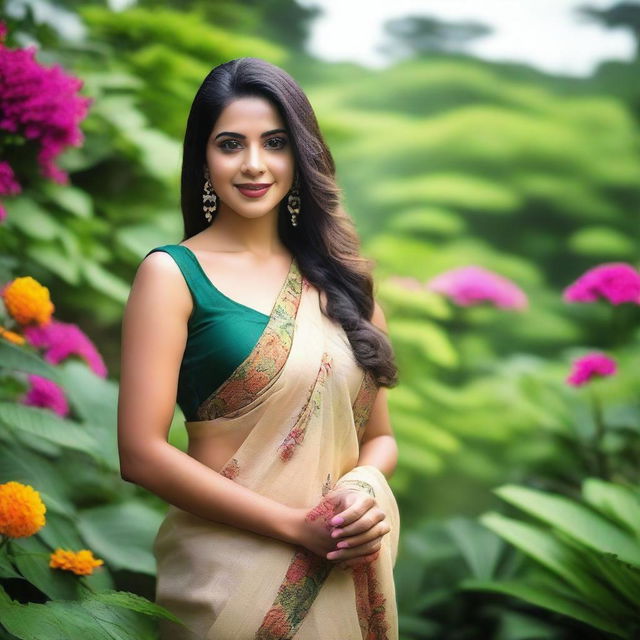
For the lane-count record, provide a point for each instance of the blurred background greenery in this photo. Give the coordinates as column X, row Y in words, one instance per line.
column 446, row 160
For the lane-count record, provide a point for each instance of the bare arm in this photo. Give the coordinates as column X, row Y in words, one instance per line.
column 378, row 446
column 154, row 334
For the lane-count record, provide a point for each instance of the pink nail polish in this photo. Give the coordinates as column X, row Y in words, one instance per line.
column 337, row 520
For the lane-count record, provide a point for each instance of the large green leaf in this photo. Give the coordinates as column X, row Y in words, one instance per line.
column 479, row 547
column 105, row 282
column 31, row 557
column 44, row 423
column 25, row 359
column 70, row 198
column 87, row 619
column 616, row 501
column 34, row 221
column 134, row 602
column 122, row 534
column 22, row 465
column 575, row 520
column 542, row 546
column 542, row 596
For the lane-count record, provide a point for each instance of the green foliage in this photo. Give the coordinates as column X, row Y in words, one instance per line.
column 590, row 552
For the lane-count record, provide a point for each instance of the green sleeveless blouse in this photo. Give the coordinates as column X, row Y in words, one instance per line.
column 221, row 333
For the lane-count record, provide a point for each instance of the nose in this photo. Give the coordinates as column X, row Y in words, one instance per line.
column 253, row 161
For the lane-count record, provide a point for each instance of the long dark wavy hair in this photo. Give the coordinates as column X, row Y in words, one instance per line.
column 324, row 243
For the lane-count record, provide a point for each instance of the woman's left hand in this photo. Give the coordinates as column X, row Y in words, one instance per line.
column 362, row 529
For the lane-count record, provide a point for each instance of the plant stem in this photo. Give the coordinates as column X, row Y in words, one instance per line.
column 598, row 436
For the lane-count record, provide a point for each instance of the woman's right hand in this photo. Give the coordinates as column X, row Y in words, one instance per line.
column 313, row 528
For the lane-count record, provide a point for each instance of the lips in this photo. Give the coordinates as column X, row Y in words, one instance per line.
column 253, row 191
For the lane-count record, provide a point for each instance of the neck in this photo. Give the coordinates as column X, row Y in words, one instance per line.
column 236, row 233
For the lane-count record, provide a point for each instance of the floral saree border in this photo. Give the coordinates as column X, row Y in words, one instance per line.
column 302, row 583
column 311, row 407
column 255, row 374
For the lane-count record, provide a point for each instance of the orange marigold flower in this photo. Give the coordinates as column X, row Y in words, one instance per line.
column 11, row 336
column 21, row 510
column 28, row 301
column 80, row 562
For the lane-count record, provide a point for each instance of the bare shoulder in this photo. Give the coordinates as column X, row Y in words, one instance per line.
column 159, row 284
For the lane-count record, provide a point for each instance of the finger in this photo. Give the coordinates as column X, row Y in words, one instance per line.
column 379, row 530
column 354, row 552
column 367, row 521
column 354, row 512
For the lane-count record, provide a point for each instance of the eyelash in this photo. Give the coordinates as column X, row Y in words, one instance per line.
column 224, row 142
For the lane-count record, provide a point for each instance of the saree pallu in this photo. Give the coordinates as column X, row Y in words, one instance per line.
column 299, row 402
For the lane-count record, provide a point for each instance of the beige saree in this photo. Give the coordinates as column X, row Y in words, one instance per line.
column 301, row 402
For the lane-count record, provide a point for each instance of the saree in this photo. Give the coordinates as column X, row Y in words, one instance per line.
column 300, row 403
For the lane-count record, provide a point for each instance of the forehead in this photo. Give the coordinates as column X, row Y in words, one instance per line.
column 249, row 115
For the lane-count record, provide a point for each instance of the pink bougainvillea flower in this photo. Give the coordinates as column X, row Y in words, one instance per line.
column 470, row 285
column 40, row 104
column 61, row 340
column 9, row 186
column 594, row 364
column 617, row 282
column 46, row 393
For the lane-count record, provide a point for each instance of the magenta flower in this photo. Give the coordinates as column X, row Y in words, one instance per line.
column 593, row 364
column 470, row 285
column 9, row 186
column 40, row 104
column 617, row 282
column 46, row 393
column 61, row 340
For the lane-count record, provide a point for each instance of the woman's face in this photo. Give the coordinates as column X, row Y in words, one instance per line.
column 249, row 144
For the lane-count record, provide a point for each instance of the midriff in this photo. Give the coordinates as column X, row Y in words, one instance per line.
column 212, row 445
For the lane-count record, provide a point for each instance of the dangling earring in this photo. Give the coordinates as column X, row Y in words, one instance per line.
column 207, row 197
column 293, row 204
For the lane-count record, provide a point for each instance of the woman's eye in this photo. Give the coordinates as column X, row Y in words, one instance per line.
column 282, row 141
column 224, row 143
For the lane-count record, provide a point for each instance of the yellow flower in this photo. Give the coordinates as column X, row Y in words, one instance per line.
column 11, row 336
column 21, row 510
column 80, row 562
column 28, row 301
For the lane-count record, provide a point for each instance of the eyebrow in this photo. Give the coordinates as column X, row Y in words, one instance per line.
column 242, row 137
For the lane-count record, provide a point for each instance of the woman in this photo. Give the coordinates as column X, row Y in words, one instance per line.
column 279, row 368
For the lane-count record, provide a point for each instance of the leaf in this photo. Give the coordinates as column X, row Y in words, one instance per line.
column 31, row 557
column 134, row 602
column 543, row 547
column 616, row 501
column 22, row 465
column 20, row 358
column 70, row 198
column 122, row 534
column 87, row 619
column 34, row 221
column 44, row 423
column 105, row 282
column 542, row 596
column 574, row 519
column 479, row 547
